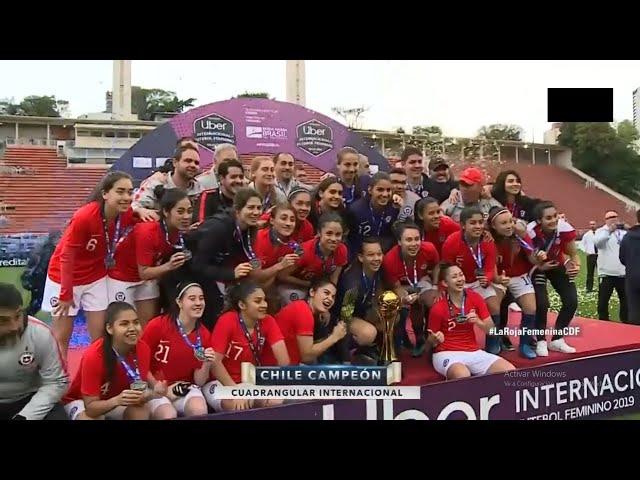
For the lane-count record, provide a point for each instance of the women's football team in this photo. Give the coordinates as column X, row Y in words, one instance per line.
column 175, row 307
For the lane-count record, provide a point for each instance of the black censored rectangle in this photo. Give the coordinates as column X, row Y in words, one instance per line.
column 580, row 104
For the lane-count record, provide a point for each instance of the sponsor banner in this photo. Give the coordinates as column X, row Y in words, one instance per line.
column 255, row 126
column 214, row 129
column 599, row 386
column 13, row 262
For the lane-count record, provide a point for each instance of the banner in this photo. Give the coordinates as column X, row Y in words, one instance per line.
column 599, row 386
column 253, row 125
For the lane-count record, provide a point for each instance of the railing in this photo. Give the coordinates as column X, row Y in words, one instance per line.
column 30, row 142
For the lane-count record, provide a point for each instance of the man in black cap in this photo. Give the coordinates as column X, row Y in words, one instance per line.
column 440, row 181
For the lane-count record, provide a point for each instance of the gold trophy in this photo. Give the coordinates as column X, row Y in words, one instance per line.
column 389, row 312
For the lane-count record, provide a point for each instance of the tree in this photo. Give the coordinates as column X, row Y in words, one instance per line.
column 498, row 131
column 253, row 95
column 33, row 105
column 432, row 130
column 603, row 152
column 146, row 103
column 39, row 106
column 628, row 132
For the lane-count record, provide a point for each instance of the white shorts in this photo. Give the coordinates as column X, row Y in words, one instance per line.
column 178, row 403
column 76, row 407
column 91, row 298
column 477, row 362
column 289, row 294
column 131, row 292
column 521, row 285
column 485, row 292
column 215, row 403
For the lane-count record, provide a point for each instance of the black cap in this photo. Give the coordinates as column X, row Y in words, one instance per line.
column 437, row 163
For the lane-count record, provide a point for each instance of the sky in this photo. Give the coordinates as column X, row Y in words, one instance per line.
column 459, row 96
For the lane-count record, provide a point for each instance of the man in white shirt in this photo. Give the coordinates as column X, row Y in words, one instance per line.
column 589, row 247
column 610, row 270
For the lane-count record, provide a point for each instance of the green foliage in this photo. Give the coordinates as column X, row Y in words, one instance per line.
column 605, row 153
column 499, row 131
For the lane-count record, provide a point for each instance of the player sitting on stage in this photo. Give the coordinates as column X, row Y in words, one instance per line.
column 112, row 380
column 241, row 335
column 356, row 300
column 183, row 356
column 298, row 323
column 451, row 322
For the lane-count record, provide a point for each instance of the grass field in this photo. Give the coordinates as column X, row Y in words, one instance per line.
column 587, row 303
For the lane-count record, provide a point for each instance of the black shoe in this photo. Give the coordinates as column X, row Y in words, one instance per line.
column 366, row 356
column 507, row 346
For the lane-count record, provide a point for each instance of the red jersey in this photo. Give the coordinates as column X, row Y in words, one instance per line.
column 457, row 336
column 398, row 270
column 311, row 266
column 126, row 269
column 513, row 258
column 555, row 243
column 173, row 360
column 304, row 231
column 438, row 237
column 91, row 381
column 228, row 338
column 267, row 251
column 82, row 250
column 152, row 248
column 296, row 319
column 456, row 250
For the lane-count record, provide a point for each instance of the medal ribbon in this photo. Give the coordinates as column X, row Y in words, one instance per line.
column 255, row 349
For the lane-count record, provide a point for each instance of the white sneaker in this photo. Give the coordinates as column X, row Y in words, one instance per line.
column 514, row 307
column 541, row 348
column 560, row 345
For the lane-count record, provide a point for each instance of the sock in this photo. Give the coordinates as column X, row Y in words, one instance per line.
column 496, row 322
column 528, row 322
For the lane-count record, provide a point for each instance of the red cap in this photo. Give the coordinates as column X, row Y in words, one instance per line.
column 472, row 175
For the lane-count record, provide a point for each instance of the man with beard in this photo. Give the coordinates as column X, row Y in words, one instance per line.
column 471, row 184
column 284, row 165
column 186, row 163
column 220, row 199
column 33, row 378
column 438, row 186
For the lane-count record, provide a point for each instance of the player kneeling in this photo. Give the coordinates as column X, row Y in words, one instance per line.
column 112, row 380
column 240, row 335
column 451, row 324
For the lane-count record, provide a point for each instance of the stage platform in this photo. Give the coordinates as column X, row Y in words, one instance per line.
column 602, row 379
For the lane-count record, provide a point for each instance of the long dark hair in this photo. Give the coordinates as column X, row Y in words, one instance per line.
column 106, row 184
column 498, row 191
column 109, row 357
column 239, row 293
column 418, row 211
column 168, row 198
column 322, row 186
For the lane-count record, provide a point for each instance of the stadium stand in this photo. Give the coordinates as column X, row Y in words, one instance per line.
column 40, row 202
